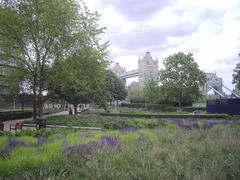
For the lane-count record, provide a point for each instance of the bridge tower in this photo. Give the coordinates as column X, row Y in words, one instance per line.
column 147, row 68
column 213, row 81
column 119, row 71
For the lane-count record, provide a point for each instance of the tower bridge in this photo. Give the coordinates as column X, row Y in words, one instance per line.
column 147, row 67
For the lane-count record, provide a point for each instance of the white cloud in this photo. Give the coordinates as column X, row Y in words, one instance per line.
column 209, row 29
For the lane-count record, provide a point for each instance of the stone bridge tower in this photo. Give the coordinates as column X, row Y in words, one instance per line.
column 147, row 68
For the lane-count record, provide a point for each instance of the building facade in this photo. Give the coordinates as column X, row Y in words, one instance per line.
column 147, row 69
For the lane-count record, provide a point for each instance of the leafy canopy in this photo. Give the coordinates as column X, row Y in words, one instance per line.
column 38, row 33
column 182, row 77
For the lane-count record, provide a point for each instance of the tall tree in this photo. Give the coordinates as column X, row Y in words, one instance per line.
column 182, row 77
column 114, row 87
column 236, row 75
column 37, row 33
column 151, row 91
column 80, row 78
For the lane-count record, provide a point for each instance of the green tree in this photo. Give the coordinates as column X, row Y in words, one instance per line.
column 114, row 87
column 236, row 75
column 37, row 33
column 80, row 78
column 151, row 91
column 182, row 77
column 137, row 96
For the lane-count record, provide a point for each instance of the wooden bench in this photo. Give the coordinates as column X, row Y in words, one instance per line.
column 16, row 126
column 1, row 126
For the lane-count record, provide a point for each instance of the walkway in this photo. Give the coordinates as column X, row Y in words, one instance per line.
column 13, row 122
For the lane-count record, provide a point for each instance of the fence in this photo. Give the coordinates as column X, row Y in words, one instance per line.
column 224, row 106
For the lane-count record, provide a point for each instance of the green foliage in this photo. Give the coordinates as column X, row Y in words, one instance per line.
column 3, row 141
column 37, row 34
column 157, row 107
column 145, row 123
column 137, row 96
column 181, row 78
column 151, row 91
column 115, row 87
column 169, row 115
column 236, row 75
column 4, row 116
column 98, row 121
column 172, row 126
column 191, row 108
column 163, row 154
column 80, row 78
column 129, row 137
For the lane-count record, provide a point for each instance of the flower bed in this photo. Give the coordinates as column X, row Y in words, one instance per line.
column 140, row 115
column 132, row 153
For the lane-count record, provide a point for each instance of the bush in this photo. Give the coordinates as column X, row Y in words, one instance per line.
column 191, row 108
column 160, row 107
column 203, row 116
column 4, row 116
column 141, row 154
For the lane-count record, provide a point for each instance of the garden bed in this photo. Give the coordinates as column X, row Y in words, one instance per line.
column 173, row 115
column 132, row 153
column 119, row 122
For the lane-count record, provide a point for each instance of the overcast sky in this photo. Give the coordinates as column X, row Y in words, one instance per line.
column 210, row 29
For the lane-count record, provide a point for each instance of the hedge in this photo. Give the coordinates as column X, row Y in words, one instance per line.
column 4, row 116
column 191, row 108
column 161, row 107
column 201, row 116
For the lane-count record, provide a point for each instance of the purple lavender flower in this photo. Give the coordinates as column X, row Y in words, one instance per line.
column 225, row 122
column 84, row 149
column 195, row 126
column 110, row 141
column 178, row 122
column 127, row 130
column 209, row 125
column 90, row 147
column 186, row 127
column 42, row 140
column 143, row 138
column 194, row 119
column 11, row 144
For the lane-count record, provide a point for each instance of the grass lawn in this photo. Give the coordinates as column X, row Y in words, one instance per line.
column 160, row 153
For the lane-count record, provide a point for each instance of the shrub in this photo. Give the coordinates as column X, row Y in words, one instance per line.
column 159, row 107
column 4, row 116
column 191, row 108
column 142, row 154
column 203, row 116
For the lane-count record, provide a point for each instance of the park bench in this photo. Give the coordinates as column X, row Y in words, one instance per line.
column 16, row 126
column 41, row 123
column 1, row 126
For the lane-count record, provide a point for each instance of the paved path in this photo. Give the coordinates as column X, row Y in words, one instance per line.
column 13, row 122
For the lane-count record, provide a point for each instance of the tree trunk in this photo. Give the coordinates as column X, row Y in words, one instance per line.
column 34, row 99
column 40, row 108
column 22, row 105
column 179, row 104
column 75, row 109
